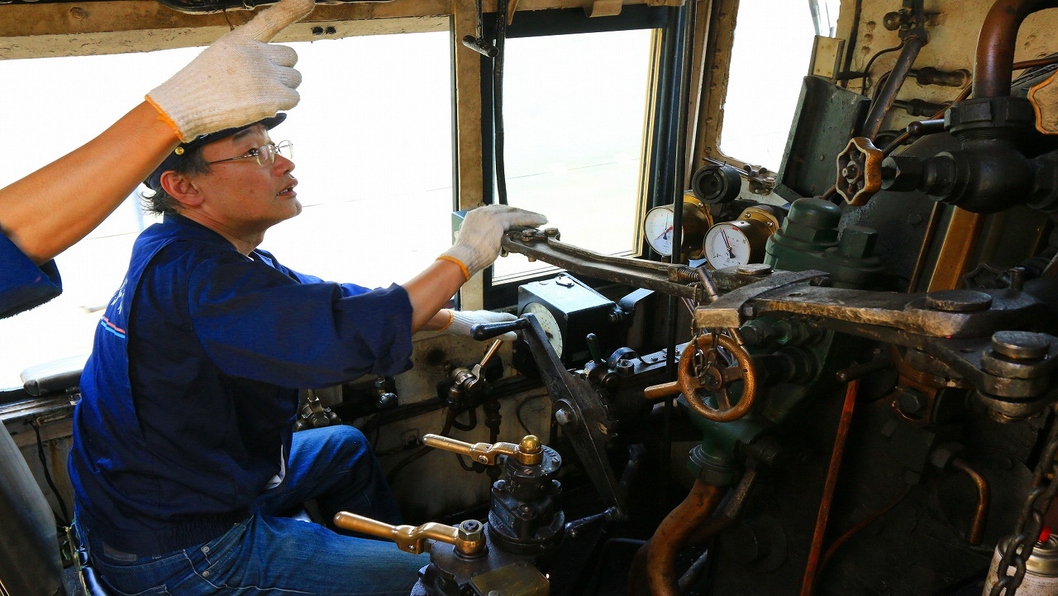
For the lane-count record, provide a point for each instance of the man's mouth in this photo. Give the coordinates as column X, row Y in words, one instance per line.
column 289, row 189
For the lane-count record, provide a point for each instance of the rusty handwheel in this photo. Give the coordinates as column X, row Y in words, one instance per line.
column 716, row 377
column 859, row 171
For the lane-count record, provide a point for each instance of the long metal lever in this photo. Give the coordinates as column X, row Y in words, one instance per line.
column 528, row 453
column 468, row 538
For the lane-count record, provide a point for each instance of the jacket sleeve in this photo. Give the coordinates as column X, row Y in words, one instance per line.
column 267, row 323
column 23, row 284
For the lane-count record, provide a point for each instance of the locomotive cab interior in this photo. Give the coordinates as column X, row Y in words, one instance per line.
column 792, row 326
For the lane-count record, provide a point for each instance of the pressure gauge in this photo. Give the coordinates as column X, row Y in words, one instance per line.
column 548, row 323
column 658, row 227
column 741, row 241
column 727, row 244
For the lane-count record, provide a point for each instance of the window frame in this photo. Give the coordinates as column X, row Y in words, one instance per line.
column 554, row 22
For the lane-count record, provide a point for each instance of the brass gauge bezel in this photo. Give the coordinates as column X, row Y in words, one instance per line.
column 697, row 219
column 756, row 223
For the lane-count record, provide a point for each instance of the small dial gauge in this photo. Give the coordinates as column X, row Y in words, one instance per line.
column 548, row 323
column 727, row 245
column 658, row 227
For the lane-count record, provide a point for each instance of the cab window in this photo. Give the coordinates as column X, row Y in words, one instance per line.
column 769, row 58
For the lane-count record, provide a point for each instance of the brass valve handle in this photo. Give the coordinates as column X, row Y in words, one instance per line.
column 468, row 538
column 716, row 378
column 859, row 171
column 528, row 453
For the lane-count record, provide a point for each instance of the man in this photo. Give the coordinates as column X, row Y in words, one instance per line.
column 183, row 453
column 237, row 80
column 47, row 211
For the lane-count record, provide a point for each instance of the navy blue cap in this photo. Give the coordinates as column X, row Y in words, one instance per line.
column 154, row 181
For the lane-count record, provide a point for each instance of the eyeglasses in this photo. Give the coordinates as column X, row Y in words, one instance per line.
column 265, row 155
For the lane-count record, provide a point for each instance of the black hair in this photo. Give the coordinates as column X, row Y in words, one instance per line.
column 161, row 202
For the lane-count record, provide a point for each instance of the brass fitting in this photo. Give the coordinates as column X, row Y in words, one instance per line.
column 529, row 452
column 468, row 538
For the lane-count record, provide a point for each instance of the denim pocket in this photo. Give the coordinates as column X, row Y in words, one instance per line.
column 155, row 591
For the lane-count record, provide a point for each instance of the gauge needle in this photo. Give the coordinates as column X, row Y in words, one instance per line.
column 730, row 252
column 665, row 233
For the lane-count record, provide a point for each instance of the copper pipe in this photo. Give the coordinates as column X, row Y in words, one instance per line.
column 1036, row 62
column 809, row 582
column 977, row 526
column 672, row 534
column 993, row 64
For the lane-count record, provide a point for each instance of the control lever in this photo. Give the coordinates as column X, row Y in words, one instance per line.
column 477, row 42
column 469, row 381
column 529, row 452
column 483, row 331
column 468, row 537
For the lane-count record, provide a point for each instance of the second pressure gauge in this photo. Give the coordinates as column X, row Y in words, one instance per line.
column 741, row 241
column 727, row 244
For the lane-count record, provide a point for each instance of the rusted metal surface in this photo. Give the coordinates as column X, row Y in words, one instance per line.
column 829, row 485
column 905, row 312
column 713, row 48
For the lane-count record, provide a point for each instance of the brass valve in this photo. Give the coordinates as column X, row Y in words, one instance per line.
column 468, row 537
column 529, row 452
column 859, row 171
column 715, row 376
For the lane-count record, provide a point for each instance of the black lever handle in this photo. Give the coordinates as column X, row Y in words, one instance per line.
column 490, row 330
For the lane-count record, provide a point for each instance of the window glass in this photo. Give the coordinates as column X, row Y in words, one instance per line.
column 769, row 59
column 372, row 143
column 574, row 117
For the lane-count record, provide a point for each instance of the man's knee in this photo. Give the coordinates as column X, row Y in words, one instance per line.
column 335, row 443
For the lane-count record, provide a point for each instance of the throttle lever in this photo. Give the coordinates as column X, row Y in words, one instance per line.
column 483, row 331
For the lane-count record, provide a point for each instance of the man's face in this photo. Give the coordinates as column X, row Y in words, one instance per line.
column 241, row 195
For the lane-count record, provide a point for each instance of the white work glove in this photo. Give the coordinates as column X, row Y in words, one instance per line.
column 463, row 320
column 478, row 243
column 238, row 80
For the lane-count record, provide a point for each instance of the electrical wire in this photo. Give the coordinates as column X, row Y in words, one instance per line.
column 853, row 38
column 65, row 518
column 518, row 412
column 497, row 102
column 863, row 524
column 445, row 429
column 866, row 74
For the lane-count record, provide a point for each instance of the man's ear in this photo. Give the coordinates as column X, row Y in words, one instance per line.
column 181, row 188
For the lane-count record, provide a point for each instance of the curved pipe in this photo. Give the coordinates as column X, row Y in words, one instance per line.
column 993, row 64
column 977, row 526
column 672, row 534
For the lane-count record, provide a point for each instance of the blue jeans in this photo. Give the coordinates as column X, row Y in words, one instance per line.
column 266, row 554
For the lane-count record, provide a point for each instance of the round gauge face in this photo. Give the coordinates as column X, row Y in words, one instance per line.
column 658, row 229
column 547, row 323
column 726, row 245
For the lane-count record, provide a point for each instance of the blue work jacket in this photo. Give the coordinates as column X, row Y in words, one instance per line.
column 23, row 284
column 189, row 395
